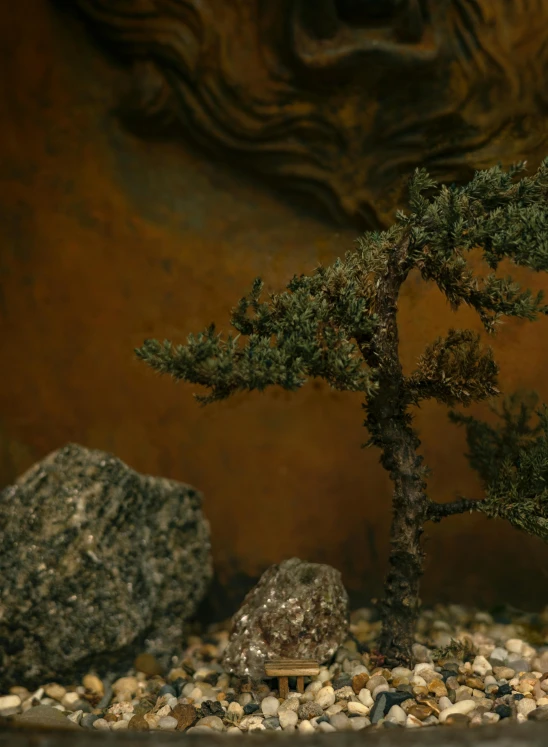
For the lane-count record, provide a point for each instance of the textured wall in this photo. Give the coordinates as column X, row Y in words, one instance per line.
column 107, row 240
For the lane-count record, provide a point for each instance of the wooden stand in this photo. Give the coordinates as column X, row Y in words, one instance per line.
column 285, row 668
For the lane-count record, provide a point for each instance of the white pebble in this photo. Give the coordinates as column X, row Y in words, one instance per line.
column 360, row 722
column 233, row 730
column 288, row 719
column 514, row 645
column 463, row 706
column 234, row 712
column 325, row 697
column 9, row 704
column 69, row 699
column 401, row 672
column 412, row 721
column 364, row 696
column 119, row 725
column 396, row 715
column 422, row 667
column 340, row 721
column 481, row 666
column 499, row 653
column 326, row 726
column 490, row 718
column 380, row 689
column 167, row 723
column 444, row 703
column 360, row 708
column 418, row 680
column 313, row 687
column 101, row 723
column 270, row 705
column 526, row 705
column 333, row 709
column 305, row 727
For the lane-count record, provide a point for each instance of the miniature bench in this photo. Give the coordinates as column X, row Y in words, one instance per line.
column 284, row 668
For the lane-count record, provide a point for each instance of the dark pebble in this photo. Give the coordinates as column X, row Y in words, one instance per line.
column 391, row 725
column 504, row 690
column 446, row 673
column 88, row 719
column 384, row 702
column 250, row 708
column 322, row 718
column 503, row 711
column 343, row 680
column 518, row 696
column 271, row 723
column 231, row 697
column 212, row 708
column 167, row 690
column 405, row 689
column 178, row 684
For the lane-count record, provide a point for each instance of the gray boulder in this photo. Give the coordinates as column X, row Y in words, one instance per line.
column 97, row 563
column 297, row 610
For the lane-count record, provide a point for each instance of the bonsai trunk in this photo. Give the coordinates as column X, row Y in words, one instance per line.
column 389, row 424
column 399, row 607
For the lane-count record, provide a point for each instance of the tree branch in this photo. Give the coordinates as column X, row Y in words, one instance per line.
column 437, row 511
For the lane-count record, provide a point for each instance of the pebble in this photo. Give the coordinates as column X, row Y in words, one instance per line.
column 92, row 683
column 212, row 722
column 270, row 705
column 341, row 722
column 463, row 707
column 325, row 697
column 506, row 680
column 288, row 718
column 9, row 704
column 396, row 714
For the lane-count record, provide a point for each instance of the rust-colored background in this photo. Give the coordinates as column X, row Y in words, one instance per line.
column 107, row 240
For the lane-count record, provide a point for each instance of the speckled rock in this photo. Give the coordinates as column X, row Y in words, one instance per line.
column 297, row 610
column 94, row 556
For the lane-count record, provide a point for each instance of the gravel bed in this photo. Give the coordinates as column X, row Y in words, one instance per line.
column 472, row 669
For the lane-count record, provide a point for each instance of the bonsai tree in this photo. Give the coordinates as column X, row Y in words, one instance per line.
column 340, row 324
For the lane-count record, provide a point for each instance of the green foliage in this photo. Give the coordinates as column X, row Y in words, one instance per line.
column 503, row 217
column 454, row 369
column 327, row 324
column 511, row 458
column 490, row 446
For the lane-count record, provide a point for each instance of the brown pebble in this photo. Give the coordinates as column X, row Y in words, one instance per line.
column 431, row 703
column 111, row 717
column 147, row 664
column 451, row 683
column 457, row 719
column 420, row 691
column 186, row 715
column 359, row 681
column 420, row 711
column 475, row 683
column 176, row 674
column 138, row 723
column 93, row 684
column 437, row 687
